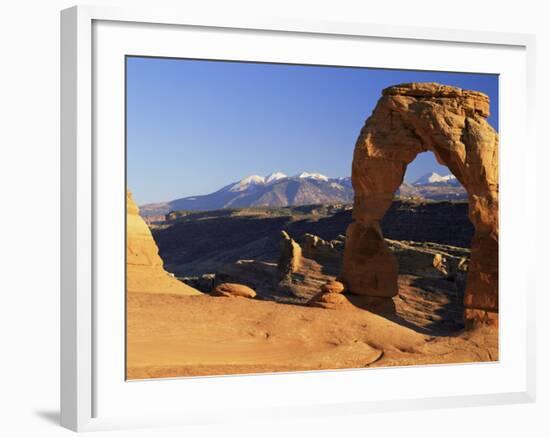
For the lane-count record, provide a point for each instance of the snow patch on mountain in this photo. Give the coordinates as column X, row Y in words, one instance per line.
column 273, row 177
column 316, row 176
column 247, row 183
column 434, row 178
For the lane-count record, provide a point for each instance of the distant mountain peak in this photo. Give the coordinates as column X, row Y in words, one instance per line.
column 434, row 178
column 274, row 177
column 254, row 179
column 247, row 182
column 316, row 176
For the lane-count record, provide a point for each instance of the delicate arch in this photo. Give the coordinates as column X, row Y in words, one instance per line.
column 410, row 119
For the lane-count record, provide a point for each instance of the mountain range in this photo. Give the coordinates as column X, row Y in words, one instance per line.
column 277, row 190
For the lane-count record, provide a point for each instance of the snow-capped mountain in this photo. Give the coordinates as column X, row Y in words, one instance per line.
column 253, row 182
column 277, row 189
column 247, row 183
column 315, row 176
column 273, row 177
column 435, row 178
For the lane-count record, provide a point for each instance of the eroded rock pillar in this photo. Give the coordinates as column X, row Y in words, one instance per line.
column 481, row 295
column 369, row 267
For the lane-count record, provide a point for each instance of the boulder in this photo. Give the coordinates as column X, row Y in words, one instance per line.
column 230, row 289
column 328, row 300
column 333, row 287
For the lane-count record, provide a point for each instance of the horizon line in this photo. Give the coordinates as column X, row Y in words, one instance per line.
column 286, row 177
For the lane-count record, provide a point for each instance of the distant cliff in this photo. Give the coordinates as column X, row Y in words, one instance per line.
column 200, row 242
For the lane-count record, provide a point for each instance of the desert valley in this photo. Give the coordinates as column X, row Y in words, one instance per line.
column 310, row 272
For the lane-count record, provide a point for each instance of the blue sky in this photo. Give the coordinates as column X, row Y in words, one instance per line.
column 194, row 126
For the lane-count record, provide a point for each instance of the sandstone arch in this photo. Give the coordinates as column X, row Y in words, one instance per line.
column 410, row 119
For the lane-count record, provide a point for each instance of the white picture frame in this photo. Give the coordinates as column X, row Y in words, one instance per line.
column 86, row 375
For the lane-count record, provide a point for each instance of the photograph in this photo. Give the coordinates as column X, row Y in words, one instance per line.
column 266, row 219
column 290, row 218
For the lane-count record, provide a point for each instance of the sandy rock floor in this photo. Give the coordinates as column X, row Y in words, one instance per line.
column 171, row 336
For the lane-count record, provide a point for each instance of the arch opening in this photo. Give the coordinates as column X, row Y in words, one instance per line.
column 428, row 231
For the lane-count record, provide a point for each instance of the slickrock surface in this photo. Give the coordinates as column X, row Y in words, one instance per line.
column 144, row 267
column 410, row 119
column 170, row 336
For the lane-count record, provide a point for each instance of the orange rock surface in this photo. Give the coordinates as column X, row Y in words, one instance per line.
column 236, row 290
column 290, row 256
column 333, row 287
column 171, row 336
column 144, row 266
column 410, row 119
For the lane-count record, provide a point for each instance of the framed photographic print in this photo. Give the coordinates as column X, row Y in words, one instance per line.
column 257, row 207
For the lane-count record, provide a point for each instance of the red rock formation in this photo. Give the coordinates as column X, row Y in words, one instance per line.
column 290, row 256
column 410, row 119
column 329, row 301
column 333, row 287
column 144, row 267
column 229, row 289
